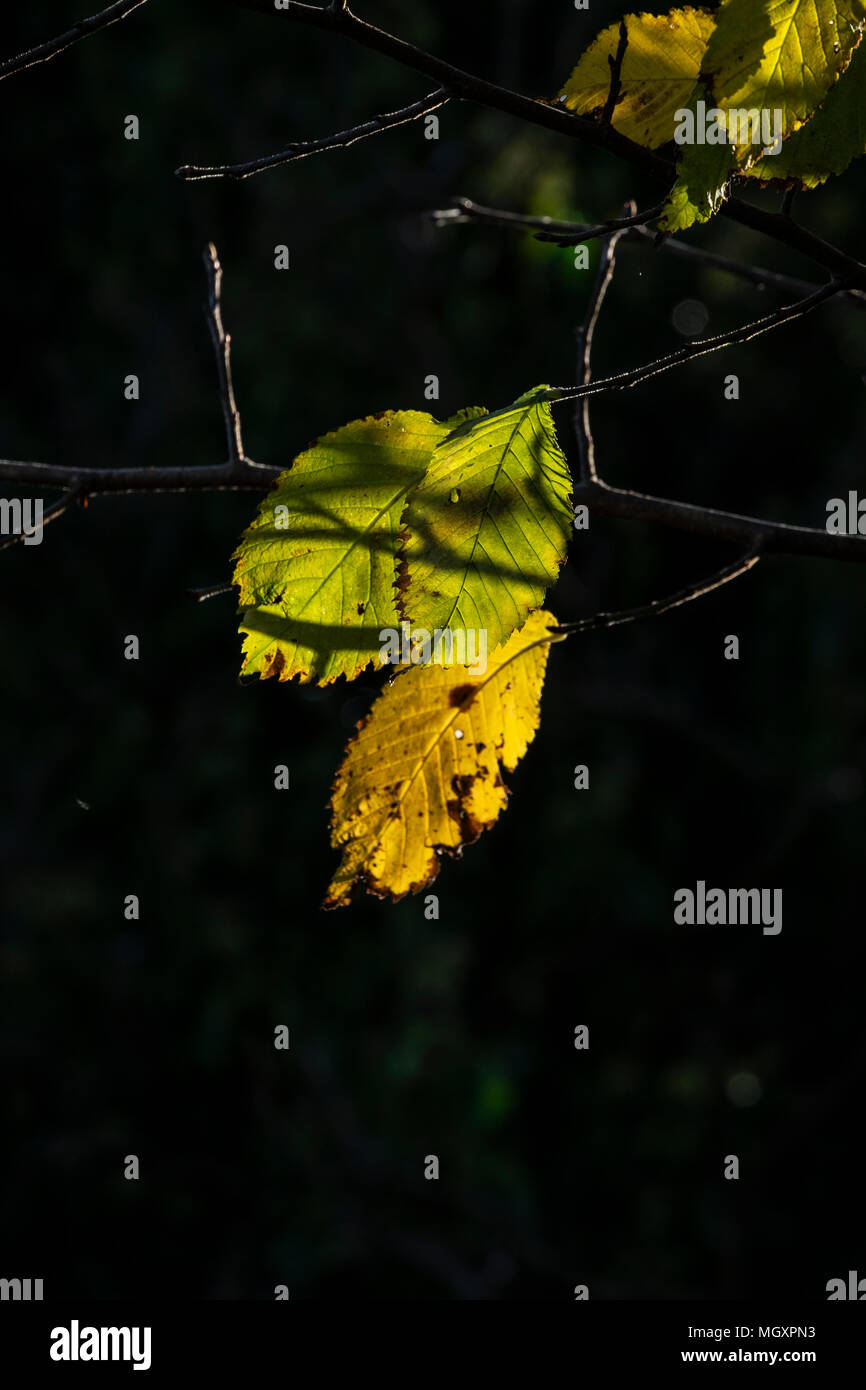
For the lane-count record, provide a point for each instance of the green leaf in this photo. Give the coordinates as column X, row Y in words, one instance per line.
column 780, row 55
column 832, row 138
column 489, row 526
column 316, row 569
column 703, row 174
column 659, row 71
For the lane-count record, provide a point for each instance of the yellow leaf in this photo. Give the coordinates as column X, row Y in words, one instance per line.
column 422, row 775
column 659, row 71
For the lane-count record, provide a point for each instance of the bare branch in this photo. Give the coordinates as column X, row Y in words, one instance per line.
column 464, row 84
column 584, row 335
column 774, row 537
column 239, row 473
column 663, row 605
column 102, row 482
column 43, row 51
column 623, row 381
column 562, row 233
column 548, row 228
column 75, row 494
column 238, row 464
column 754, row 274
column 771, row 537
column 302, row 149
column 211, row 592
column 222, row 347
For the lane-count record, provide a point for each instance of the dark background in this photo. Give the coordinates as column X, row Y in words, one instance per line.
column 409, row 1037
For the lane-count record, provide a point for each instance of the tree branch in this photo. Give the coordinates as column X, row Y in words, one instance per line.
column 754, row 274
column 663, row 605
column 75, row 494
column 464, row 84
column 102, row 482
column 222, row 348
column 43, row 51
column 243, row 475
column 553, row 117
column 239, row 473
column 584, row 336
column 623, row 381
column 549, row 229
column 561, row 233
column 771, row 537
column 302, row 149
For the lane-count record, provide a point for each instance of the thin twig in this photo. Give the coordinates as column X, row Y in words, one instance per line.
column 753, row 274
column 75, row 494
column 615, row 62
column 584, row 335
column 43, row 51
column 238, row 474
column 237, row 459
column 548, row 228
column 201, row 594
column 301, row 149
column 623, row 381
column 663, row 605
column 464, row 84
column 561, row 233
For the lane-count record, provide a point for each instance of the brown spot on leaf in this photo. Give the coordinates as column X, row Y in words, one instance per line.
column 470, row 828
column 462, row 694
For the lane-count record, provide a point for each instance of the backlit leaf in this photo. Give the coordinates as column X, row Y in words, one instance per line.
column 316, row 569
column 659, row 71
column 834, row 136
column 703, row 174
column 780, row 55
column 488, row 527
column 423, row 774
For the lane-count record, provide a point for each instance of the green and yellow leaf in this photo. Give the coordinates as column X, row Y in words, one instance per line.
column 780, row 55
column 316, row 570
column 834, row 136
column 703, row 174
column 659, row 71
column 422, row 776
column 488, row 527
